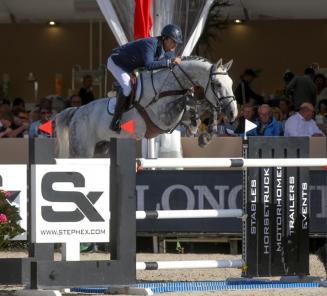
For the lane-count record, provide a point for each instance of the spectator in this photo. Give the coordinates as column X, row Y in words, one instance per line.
column 20, row 124
column 320, row 82
column 85, row 91
column 4, row 107
column 277, row 113
column 6, row 121
column 249, row 112
column 244, row 93
column 321, row 116
column 286, row 108
column 267, row 125
column 45, row 115
column 18, row 105
column 302, row 89
column 75, row 101
column 301, row 123
column 288, row 76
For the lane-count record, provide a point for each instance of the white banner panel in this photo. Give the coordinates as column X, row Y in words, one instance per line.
column 13, row 178
column 70, row 203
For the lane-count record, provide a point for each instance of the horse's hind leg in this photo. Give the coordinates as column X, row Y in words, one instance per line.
column 82, row 147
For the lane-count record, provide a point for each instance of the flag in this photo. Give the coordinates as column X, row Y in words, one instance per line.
column 142, row 19
column 249, row 125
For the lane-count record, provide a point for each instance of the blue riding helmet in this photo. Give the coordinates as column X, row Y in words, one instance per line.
column 173, row 32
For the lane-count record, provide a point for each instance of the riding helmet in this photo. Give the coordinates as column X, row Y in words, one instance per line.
column 173, row 32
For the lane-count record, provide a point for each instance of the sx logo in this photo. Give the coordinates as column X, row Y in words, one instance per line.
column 83, row 202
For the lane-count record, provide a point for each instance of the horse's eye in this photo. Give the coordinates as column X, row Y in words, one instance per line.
column 218, row 85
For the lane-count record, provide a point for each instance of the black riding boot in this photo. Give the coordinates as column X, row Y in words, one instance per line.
column 119, row 110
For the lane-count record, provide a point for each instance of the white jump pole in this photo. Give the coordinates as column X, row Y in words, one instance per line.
column 171, row 163
column 237, row 263
column 186, row 214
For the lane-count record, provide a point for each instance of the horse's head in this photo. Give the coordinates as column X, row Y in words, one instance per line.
column 219, row 90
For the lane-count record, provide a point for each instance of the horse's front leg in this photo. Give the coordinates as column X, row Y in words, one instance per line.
column 204, row 139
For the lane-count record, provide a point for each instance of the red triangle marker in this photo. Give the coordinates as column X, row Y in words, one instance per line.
column 129, row 126
column 46, row 127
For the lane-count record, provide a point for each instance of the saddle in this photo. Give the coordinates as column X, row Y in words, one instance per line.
column 152, row 130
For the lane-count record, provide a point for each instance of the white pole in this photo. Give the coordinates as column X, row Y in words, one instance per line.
column 237, row 263
column 230, row 162
column 187, row 214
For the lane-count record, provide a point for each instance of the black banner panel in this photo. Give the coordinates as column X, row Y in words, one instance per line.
column 280, row 243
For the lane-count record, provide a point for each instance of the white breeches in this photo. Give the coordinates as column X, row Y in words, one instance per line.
column 121, row 76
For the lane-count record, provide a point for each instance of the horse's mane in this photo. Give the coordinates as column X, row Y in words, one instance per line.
column 195, row 58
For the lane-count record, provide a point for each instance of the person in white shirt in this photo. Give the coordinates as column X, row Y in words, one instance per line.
column 301, row 124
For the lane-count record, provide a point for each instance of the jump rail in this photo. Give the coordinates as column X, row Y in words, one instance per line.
column 170, row 163
column 185, row 214
column 237, row 263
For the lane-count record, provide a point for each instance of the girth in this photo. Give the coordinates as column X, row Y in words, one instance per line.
column 151, row 129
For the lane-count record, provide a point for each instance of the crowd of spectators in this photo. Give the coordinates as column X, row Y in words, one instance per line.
column 18, row 121
column 298, row 109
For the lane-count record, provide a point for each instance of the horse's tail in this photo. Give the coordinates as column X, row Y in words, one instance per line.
column 62, row 132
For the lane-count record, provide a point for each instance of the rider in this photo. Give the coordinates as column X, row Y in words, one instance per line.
column 151, row 53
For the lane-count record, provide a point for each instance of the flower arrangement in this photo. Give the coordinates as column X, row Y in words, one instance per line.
column 9, row 219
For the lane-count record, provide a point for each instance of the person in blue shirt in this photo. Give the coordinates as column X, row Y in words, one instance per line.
column 149, row 53
column 267, row 125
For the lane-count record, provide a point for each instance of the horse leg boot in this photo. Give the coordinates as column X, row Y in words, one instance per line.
column 119, row 110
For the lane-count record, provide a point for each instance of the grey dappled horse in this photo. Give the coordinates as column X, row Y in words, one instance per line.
column 161, row 100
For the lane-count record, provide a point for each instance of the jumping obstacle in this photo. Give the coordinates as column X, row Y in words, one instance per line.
column 214, row 163
column 189, row 214
column 190, row 264
column 275, row 193
column 269, row 248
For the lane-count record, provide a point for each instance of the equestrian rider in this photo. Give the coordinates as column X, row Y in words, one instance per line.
column 149, row 53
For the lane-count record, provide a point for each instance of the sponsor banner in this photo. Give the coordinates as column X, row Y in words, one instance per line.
column 70, row 203
column 13, row 178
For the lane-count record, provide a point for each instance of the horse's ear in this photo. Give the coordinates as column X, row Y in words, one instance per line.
column 219, row 63
column 228, row 65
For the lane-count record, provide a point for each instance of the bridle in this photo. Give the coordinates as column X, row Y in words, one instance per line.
column 219, row 99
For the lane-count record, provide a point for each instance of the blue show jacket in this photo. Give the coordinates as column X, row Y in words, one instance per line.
column 142, row 53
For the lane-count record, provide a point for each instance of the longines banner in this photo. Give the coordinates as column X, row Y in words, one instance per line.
column 70, row 203
column 177, row 190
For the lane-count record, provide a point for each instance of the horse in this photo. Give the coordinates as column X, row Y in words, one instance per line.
column 161, row 100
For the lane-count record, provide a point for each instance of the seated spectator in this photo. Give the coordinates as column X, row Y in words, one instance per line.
column 45, row 115
column 4, row 107
column 277, row 113
column 85, row 91
column 20, row 124
column 75, row 101
column 286, row 109
column 224, row 127
column 18, row 105
column 6, row 120
column 249, row 112
column 267, row 125
column 301, row 124
column 321, row 116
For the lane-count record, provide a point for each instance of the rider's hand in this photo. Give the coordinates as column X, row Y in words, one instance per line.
column 176, row 61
